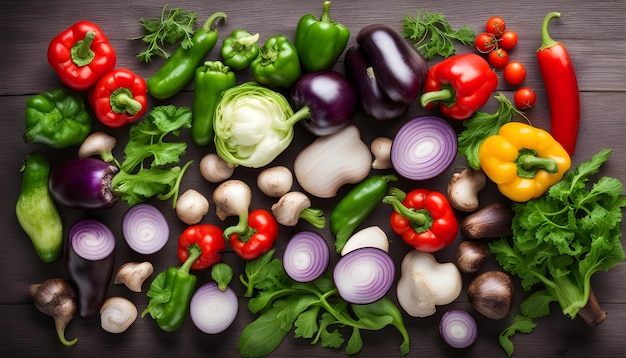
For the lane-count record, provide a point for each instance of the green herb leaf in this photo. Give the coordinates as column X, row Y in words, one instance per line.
column 167, row 30
column 432, row 35
column 482, row 125
column 263, row 335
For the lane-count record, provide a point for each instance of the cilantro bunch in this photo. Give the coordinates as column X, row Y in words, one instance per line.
column 560, row 240
column 313, row 310
column 432, row 35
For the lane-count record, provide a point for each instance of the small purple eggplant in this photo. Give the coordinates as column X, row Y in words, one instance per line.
column 400, row 70
column 374, row 102
column 83, row 184
column 328, row 97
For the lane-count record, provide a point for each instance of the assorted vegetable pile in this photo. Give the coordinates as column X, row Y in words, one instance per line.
column 334, row 276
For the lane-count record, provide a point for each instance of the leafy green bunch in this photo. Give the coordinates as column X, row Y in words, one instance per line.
column 313, row 310
column 560, row 240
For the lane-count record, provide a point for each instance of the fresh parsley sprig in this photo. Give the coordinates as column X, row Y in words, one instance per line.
column 432, row 35
column 171, row 27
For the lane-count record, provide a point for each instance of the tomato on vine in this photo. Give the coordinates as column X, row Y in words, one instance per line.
column 485, row 42
column 508, row 40
column 514, row 73
column 495, row 25
column 525, row 98
column 498, row 58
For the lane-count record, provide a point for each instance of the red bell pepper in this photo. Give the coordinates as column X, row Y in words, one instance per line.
column 256, row 238
column 80, row 55
column 423, row 218
column 209, row 238
column 119, row 97
column 460, row 85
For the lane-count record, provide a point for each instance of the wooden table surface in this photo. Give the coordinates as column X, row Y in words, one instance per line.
column 592, row 31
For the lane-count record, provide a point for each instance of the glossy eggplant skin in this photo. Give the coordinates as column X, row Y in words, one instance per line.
column 91, row 279
column 400, row 70
column 83, row 183
column 373, row 101
column 330, row 98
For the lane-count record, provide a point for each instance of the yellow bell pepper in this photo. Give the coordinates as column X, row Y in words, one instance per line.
column 524, row 161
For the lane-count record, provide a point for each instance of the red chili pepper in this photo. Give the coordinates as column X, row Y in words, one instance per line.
column 423, row 218
column 460, row 84
column 559, row 79
column 256, row 238
column 80, row 55
column 119, row 97
column 209, row 238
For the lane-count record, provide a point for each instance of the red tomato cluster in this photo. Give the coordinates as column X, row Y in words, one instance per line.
column 496, row 42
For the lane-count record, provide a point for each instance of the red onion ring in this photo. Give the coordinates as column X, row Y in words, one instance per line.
column 306, row 256
column 458, row 328
column 423, row 148
column 213, row 310
column 91, row 239
column 364, row 275
column 145, row 229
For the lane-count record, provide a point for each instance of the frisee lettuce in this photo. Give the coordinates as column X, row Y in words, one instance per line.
column 560, row 240
column 312, row 310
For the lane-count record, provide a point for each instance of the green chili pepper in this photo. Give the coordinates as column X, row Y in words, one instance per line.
column 170, row 293
column 57, row 118
column 320, row 42
column 210, row 81
column 240, row 49
column 356, row 205
column 277, row 64
column 36, row 211
column 180, row 68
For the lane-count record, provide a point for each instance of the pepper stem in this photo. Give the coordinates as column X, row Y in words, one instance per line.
column 416, row 217
column 546, row 40
column 212, row 20
column 244, row 43
column 241, row 229
column 325, row 12
column 81, row 52
column 528, row 163
column 443, row 95
column 313, row 216
column 194, row 254
column 122, row 101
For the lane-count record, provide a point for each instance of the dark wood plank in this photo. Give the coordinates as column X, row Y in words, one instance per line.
column 592, row 31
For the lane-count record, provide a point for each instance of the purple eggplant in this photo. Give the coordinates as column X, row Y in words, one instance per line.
column 89, row 260
column 374, row 102
column 83, row 184
column 400, row 70
column 328, row 98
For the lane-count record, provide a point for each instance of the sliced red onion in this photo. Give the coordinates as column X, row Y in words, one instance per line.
column 306, row 256
column 423, row 148
column 364, row 275
column 213, row 310
column 91, row 239
column 145, row 228
column 458, row 328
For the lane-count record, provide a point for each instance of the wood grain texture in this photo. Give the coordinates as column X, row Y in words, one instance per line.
column 592, row 31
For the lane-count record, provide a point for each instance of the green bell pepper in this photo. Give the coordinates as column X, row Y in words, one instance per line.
column 179, row 69
column 170, row 293
column 356, row 206
column 278, row 64
column 36, row 211
column 57, row 118
column 211, row 80
column 240, row 49
column 320, row 42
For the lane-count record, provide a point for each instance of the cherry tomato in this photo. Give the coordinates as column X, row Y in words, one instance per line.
column 525, row 97
column 495, row 25
column 485, row 42
column 508, row 40
column 498, row 58
column 514, row 73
